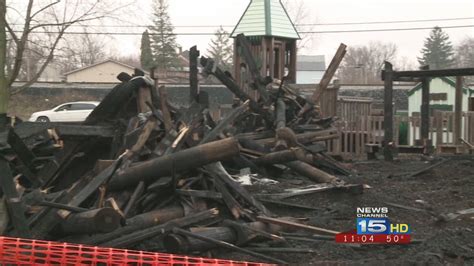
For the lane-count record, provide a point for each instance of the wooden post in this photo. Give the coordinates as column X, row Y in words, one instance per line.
column 193, row 74
column 425, row 108
column 293, row 61
column 387, row 76
column 458, row 111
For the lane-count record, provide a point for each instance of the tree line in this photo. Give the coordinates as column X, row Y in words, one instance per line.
column 363, row 64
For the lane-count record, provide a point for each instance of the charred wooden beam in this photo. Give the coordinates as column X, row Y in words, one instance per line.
column 327, row 77
column 280, row 157
column 165, row 165
column 290, row 224
column 133, row 199
column 219, row 172
column 177, row 243
column 205, row 194
column 387, row 76
column 454, row 72
column 305, row 138
column 227, row 245
column 14, row 204
column 25, row 156
column 193, row 73
column 102, row 220
column 141, row 235
column 209, row 66
column 425, row 109
column 229, row 119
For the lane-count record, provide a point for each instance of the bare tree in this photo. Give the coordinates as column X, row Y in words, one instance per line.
column 301, row 17
column 465, row 52
column 82, row 50
column 362, row 64
column 21, row 21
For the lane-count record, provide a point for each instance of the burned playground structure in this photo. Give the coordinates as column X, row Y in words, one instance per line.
column 140, row 173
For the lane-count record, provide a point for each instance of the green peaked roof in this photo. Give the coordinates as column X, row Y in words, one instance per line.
column 266, row 18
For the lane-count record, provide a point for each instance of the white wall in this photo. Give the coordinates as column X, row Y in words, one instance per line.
column 437, row 85
column 308, row 77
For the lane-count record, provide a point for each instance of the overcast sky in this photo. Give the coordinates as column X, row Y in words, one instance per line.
column 228, row 12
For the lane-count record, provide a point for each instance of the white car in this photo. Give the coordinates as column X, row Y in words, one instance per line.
column 66, row 112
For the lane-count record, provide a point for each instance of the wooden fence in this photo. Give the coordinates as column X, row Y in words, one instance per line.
column 356, row 134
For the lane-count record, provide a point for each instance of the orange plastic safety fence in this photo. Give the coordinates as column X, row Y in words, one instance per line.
column 18, row 251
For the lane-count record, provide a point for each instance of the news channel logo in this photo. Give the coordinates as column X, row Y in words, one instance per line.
column 374, row 220
column 374, row 226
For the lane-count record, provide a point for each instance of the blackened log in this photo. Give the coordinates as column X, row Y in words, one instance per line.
column 102, row 220
column 15, row 206
column 139, row 236
column 280, row 157
column 155, row 217
column 177, row 162
column 176, row 243
column 311, row 172
column 227, row 245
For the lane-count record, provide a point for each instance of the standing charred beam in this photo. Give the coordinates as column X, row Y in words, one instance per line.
column 166, row 165
column 425, row 108
column 458, row 111
column 193, row 74
column 387, row 76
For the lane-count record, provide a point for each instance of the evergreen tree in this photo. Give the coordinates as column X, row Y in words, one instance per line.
column 221, row 49
column 163, row 45
column 146, row 56
column 437, row 51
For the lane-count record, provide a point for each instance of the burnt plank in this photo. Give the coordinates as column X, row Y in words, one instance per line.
column 15, row 206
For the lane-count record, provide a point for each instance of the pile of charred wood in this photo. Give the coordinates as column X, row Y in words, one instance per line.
column 140, row 170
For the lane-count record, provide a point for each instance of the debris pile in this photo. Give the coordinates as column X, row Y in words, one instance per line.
column 139, row 169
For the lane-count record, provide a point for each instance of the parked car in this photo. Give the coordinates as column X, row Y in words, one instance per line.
column 66, row 112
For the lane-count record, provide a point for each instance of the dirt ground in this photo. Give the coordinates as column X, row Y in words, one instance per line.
column 445, row 189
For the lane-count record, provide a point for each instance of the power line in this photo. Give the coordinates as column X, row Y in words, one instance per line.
column 302, row 24
column 211, row 34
